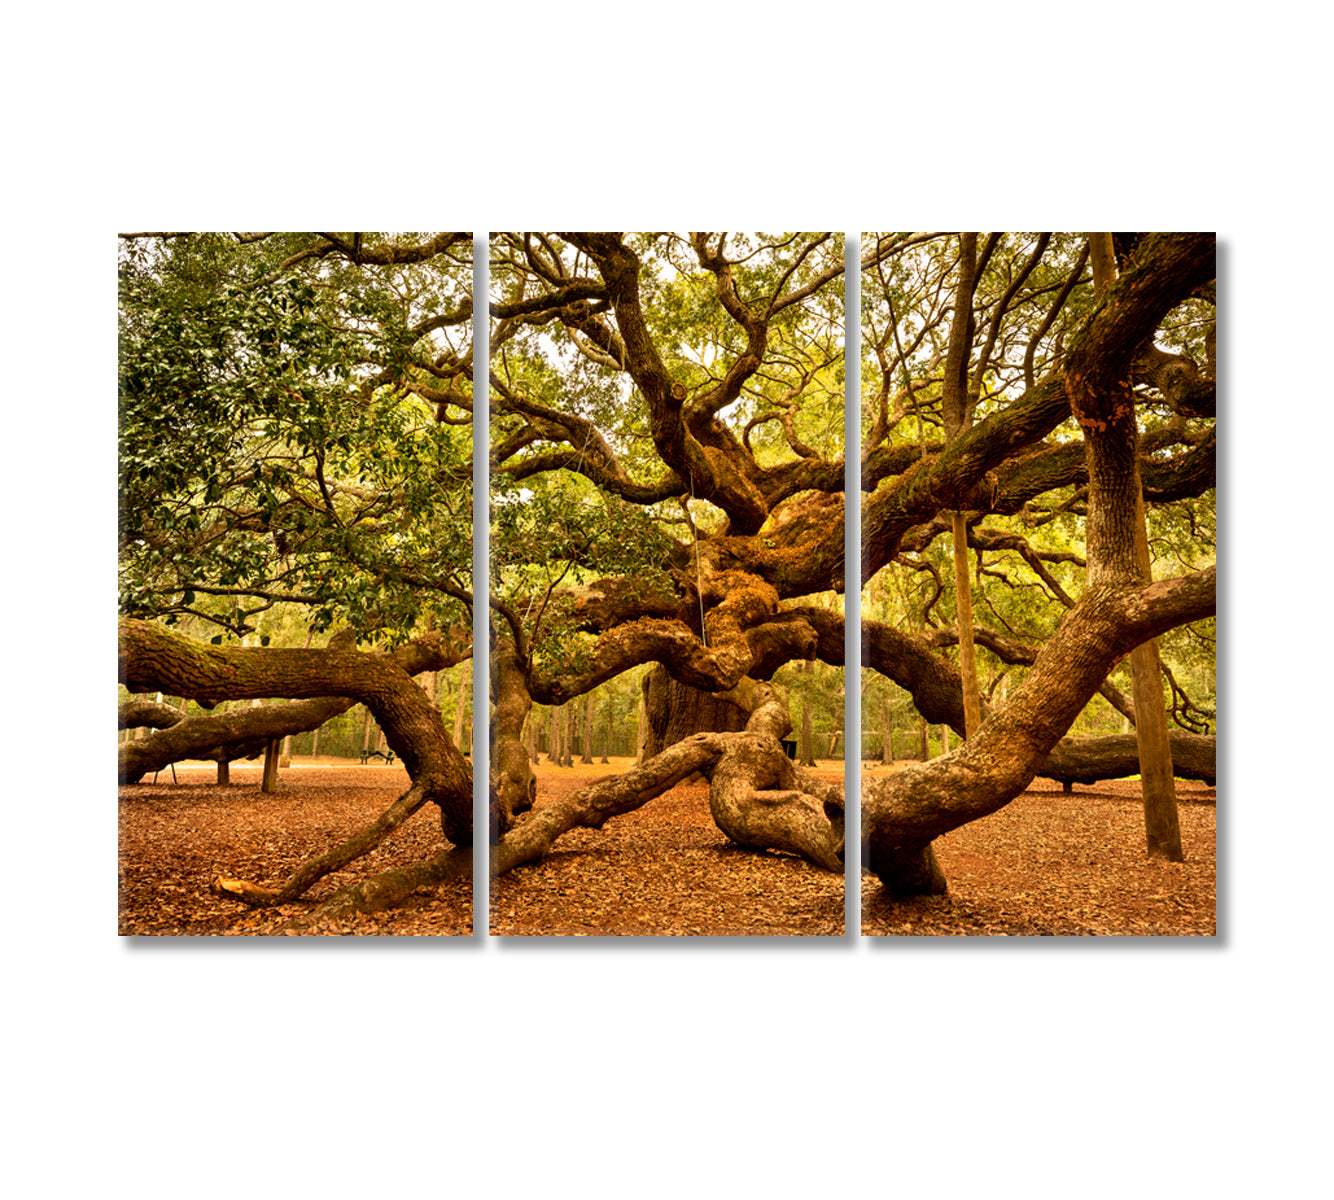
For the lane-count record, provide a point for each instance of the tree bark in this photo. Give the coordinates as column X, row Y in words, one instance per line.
column 461, row 702
column 676, row 710
column 224, row 736
column 313, row 870
column 270, row 781
column 1121, row 551
column 513, row 784
column 807, row 756
column 553, row 737
column 758, row 797
column 151, row 657
column 904, row 812
column 587, row 756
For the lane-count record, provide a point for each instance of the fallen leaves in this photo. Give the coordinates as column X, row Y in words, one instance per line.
column 663, row 870
column 1054, row 864
column 176, row 837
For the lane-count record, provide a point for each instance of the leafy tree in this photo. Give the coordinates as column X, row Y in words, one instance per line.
column 666, row 455
column 668, row 503
column 1048, row 477
column 294, row 413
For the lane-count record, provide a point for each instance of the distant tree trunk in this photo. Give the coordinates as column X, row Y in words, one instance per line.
column 465, row 680
column 807, row 751
column 923, row 740
column 567, row 738
column 366, row 731
column 315, row 744
column 886, row 731
column 611, row 723
column 944, row 739
column 589, row 712
column 530, row 737
column 553, row 737
column 285, row 753
column 641, row 732
column 270, row 783
column 224, row 772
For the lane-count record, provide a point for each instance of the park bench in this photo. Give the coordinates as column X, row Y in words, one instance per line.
column 387, row 755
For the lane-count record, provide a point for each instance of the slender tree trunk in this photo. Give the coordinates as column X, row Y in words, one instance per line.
column 270, row 783
column 1162, row 830
column 567, row 738
column 611, row 722
column 963, row 595
column 924, row 743
column 461, row 702
column 553, row 737
column 944, row 739
column 589, row 714
column 955, row 409
column 224, row 772
column 640, row 732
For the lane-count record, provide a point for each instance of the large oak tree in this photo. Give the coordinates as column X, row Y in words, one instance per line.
column 667, row 494
column 294, row 438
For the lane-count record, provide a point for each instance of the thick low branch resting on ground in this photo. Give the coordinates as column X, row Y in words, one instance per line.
column 1089, row 760
column 313, row 870
column 758, row 798
column 903, row 813
column 389, row 888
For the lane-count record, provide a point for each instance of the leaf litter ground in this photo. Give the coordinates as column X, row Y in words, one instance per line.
column 176, row 836
column 663, row 869
column 1047, row 864
column 1059, row 864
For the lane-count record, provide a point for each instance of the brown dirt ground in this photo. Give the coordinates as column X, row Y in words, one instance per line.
column 174, row 837
column 664, row 869
column 1055, row 864
column 1048, row 863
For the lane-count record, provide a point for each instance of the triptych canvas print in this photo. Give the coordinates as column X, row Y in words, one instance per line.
column 667, row 584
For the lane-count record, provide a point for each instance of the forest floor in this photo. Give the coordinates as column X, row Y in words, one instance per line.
column 1058, row 864
column 1047, row 864
column 176, row 836
column 663, row 869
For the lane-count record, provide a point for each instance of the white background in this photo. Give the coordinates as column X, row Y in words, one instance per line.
column 956, row 1067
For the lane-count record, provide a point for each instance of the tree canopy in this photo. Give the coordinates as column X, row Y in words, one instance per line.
column 667, row 501
column 294, row 438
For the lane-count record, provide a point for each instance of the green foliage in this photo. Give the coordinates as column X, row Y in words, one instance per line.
column 271, row 448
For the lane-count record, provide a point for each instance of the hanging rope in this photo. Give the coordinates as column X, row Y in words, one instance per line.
column 699, row 578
